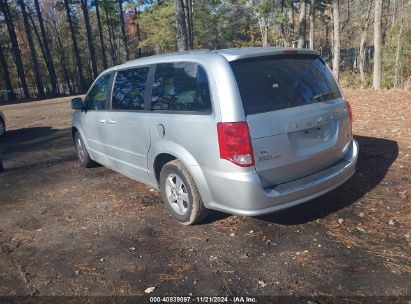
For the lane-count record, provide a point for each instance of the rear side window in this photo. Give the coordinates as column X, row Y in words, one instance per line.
column 180, row 86
column 280, row 82
column 129, row 87
column 96, row 98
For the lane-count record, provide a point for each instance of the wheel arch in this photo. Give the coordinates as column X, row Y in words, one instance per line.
column 175, row 152
column 74, row 129
column 73, row 132
column 159, row 161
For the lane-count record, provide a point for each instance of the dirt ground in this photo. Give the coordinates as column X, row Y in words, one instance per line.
column 65, row 230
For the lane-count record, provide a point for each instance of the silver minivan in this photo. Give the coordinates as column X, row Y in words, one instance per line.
column 245, row 131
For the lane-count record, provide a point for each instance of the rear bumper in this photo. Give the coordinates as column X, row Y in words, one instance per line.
column 243, row 194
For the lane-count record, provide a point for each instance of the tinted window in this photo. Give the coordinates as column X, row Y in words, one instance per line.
column 129, row 87
column 181, row 86
column 275, row 83
column 96, row 98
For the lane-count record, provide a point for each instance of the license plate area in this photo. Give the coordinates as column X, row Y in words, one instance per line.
column 308, row 138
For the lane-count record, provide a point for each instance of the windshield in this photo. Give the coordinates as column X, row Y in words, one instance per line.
column 280, row 82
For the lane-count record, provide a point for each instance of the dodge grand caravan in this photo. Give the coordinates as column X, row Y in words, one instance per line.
column 244, row 131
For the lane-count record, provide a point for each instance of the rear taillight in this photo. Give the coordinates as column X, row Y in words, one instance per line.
column 235, row 143
column 350, row 112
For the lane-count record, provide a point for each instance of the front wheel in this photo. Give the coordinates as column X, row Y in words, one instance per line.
column 180, row 194
column 2, row 127
column 82, row 154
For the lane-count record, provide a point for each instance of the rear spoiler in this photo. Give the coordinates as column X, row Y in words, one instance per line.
column 237, row 54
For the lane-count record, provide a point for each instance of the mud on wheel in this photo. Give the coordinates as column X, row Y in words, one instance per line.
column 180, row 194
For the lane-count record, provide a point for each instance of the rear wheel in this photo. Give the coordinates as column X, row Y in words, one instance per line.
column 82, row 154
column 2, row 127
column 180, row 194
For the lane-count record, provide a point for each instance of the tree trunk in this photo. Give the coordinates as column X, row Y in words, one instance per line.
column 291, row 21
column 263, row 31
column 190, row 2
column 61, row 56
column 312, row 23
column 47, row 54
column 302, row 24
column 188, row 22
column 33, row 53
column 377, row 44
column 83, row 84
column 363, row 41
column 394, row 13
column 282, row 27
column 100, row 32
column 397, row 53
column 336, row 38
column 110, row 35
column 6, row 75
column 63, row 64
column 182, row 36
column 90, row 42
column 136, row 16
column 123, row 29
column 15, row 46
column 37, row 34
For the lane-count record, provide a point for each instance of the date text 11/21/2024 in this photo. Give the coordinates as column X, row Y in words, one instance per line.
column 203, row 299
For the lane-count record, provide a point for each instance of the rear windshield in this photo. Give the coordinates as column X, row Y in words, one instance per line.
column 280, row 82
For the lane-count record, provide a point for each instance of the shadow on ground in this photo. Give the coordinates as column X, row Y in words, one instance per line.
column 375, row 158
column 28, row 148
column 19, row 137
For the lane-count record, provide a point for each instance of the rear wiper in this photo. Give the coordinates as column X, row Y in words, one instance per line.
column 320, row 95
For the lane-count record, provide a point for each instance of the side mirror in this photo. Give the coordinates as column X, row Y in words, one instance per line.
column 77, row 103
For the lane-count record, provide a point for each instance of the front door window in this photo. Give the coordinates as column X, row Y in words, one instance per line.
column 97, row 97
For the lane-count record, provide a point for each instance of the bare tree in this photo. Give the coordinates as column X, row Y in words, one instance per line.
column 397, row 57
column 377, row 44
column 397, row 53
column 137, row 16
column 189, row 22
column 291, row 20
column 363, row 39
column 182, row 35
column 6, row 75
column 90, row 43
column 336, row 38
column 33, row 53
column 83, row 84
column 61, row 54
column 302, row 24
column 100, row 33
column 123, row 29
column 47, row 54
column 15, row 46
column 113, row 48
column 312, row 23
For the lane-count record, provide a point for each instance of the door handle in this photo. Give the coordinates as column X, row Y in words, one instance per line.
column 101, row 120
column 111, row 122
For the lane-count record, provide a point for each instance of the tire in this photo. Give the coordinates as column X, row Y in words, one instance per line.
column 82, row 154
column 2, row 128
column 182, row 200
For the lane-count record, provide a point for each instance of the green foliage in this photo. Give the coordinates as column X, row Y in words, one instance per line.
column 236, row 24
column 205, row 19
column 158, row 24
